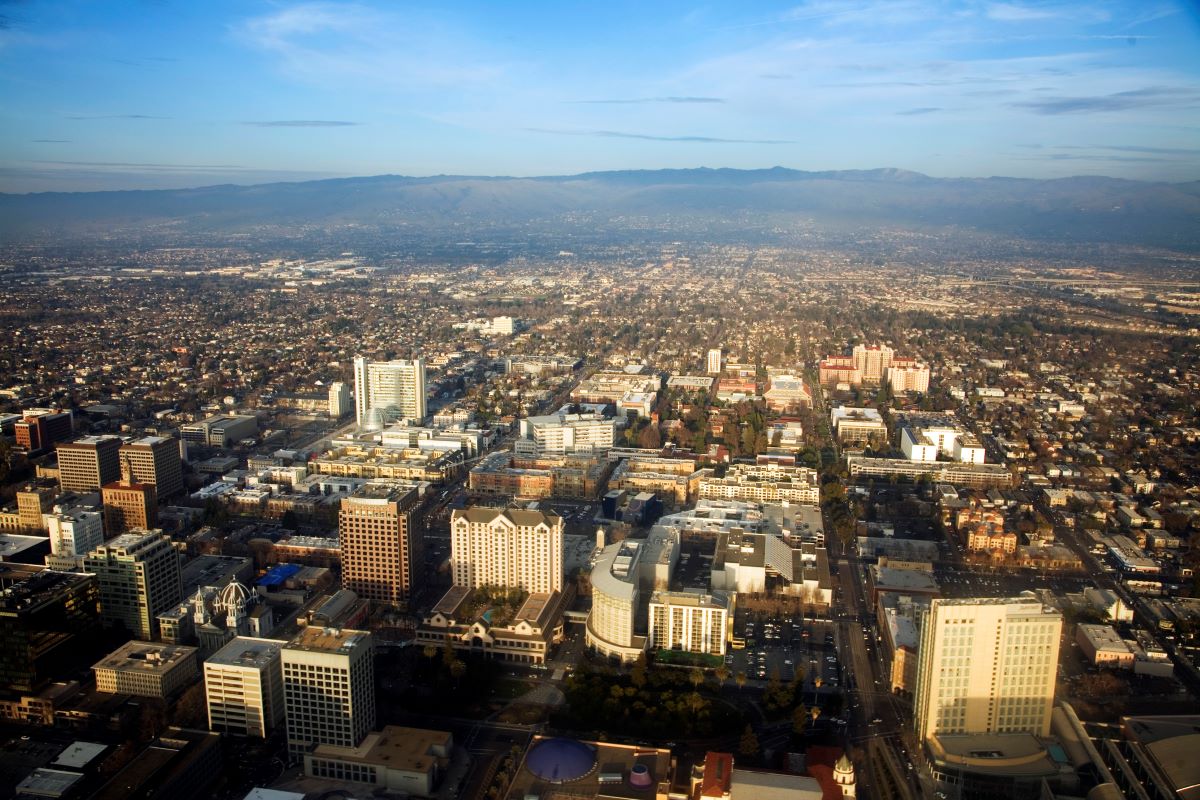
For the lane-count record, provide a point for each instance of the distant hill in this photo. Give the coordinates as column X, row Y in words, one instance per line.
column 1082, row 209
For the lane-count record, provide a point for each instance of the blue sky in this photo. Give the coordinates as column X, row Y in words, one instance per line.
column 109, row 94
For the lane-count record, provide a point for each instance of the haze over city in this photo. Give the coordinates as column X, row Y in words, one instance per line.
column 156, row 95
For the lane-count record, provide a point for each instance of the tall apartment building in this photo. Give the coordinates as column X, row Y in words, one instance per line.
column 987, row 666
column 86, row 464
column 328, row 687
column 872, row 361
column 562, row 434
column 611, row 628
column 243, row 686
column 714, row 361
column 340, row 403
column 381, row 552
column 139, row 579
column 908, row 375
column 156, row 460
column 506, row 547
column 695, row 622
column 396, row 388
column 40, row 428
column 129, row 504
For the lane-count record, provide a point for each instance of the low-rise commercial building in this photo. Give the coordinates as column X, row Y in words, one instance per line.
column 147, row 669
column 404, row 761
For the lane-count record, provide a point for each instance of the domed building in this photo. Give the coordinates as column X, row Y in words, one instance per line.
column 213, row 616
column 556, row 766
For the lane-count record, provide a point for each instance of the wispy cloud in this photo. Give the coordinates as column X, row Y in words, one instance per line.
column 1012, row 12
column 915, row 112
column 656, row 138
column 50, row 141
column 648, row 100
column 301, row 123
column 140, row 165
column 1118, row 101
column 115, row 116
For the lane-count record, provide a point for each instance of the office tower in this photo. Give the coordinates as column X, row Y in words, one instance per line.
column 88, row 463
column 48, row 624
column 128, row 504
column 139, row 578
column 243, row 686
column 33, row 501
column 616, row 591
column 339, row 400
column 395, row 388
column 693, row 621
column 714, row 361
column 156, row 460
column 508, row 547
column 987, row 666
column 39, row 428
column 74, row 533
column 872, row 362
column 328, row 687
column 381, row 553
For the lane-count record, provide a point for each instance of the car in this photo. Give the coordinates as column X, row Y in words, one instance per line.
column 876, row 721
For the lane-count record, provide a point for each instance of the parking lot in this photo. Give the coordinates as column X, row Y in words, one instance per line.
column 778, row 646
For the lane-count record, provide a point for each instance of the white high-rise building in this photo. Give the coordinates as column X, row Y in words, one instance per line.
column 74, row 532
column 507, row 547
column 243, row 684
column 696, row 622
column 714, row 361
column 987, row 665
column 560, row 434
column 396, row 388
column 328, row 687
column 339, row 400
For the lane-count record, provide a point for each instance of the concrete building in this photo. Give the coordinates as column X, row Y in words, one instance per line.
column 786, row 392
column 243, row 687
column 382, row 556
column 328, row 688
column 858, row 425
column 74, row 532
column 899, row 619
column 224, row 430
column 395, row 388
column 987, row 666
column 908, row 375
column 713, row 362
column 1103, row 646
column 139, row 578
column 611, row 623
column 692, row 621
column 407, row 762
column 924, row 437
column 86, row 464
column 147, row 669
column 340, row 401
column 872, row 361
column 838, row 370
column 465, row 619
column 509, row 547
column 763, row 483
column 156, row 460
column 560, row 434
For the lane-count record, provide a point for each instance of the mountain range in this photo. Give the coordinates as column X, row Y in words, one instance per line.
column 1079, row 209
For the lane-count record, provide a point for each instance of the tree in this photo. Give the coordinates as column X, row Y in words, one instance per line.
column 638, row 674
column 748, row 746
column 800, row 719
column 722, row 674
column 429, row 651
column 696, row 677
column 740, row 680
column 650, row 438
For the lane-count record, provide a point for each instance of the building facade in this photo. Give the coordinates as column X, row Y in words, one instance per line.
column 380, row 550
column 88, row 463
column 987, row 666
column 328, row 687
column 156, row 460
column 508, row 547
column 243, row 687
column 395, row 388
column 695, row 622
column 139, row 578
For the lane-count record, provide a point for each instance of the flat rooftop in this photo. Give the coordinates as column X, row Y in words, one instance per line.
column 246, row 651
column 394, row 746
column 146, row 657
column 328, row 640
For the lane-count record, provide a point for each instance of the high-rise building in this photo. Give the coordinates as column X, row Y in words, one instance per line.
column 139, row 578
column 381, row 552
column 243, row 685
column 908, row 375
column 507, row 547
column 74, row 532
column 33, row 501
column 872, row 361
column 41, row 428
column 86, row 464
column 48, row 624
column 339, row 400
column 714, row 361
column 156, row 460
column 395, row 388
column 987, row 666
column 328, row 687
column 128, row 504
column 695, row 622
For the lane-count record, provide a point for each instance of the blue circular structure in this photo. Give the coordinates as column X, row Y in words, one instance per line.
column 560, row 760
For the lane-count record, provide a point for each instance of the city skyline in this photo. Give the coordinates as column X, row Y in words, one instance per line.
column 251, row 93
